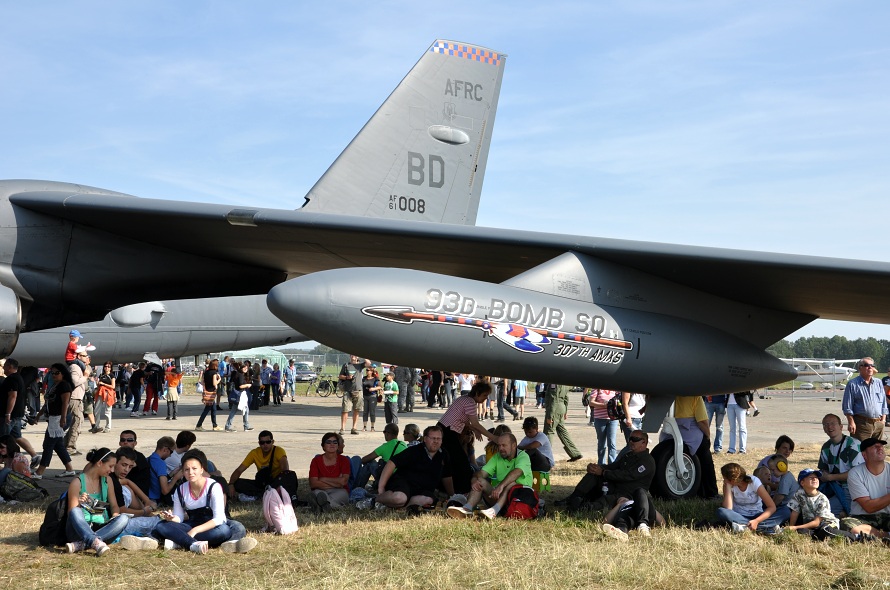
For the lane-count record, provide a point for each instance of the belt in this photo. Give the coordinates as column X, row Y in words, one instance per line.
column 867, row 418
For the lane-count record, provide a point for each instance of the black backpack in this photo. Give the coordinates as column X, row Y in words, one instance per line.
column 52, row 531
column 615, row 408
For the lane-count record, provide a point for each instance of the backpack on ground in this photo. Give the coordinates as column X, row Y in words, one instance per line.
column 522, row 503
column 52, row 531
column 22, row 489
column 615, row 408
column 278, row 511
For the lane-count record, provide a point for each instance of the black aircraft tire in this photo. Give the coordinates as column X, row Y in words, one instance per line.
column 667, row 483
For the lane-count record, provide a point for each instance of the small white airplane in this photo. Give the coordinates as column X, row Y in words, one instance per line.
column 822, row 370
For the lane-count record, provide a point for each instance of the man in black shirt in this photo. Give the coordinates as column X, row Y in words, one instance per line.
column 12, row 404
column 421, row 469
column 141, row 474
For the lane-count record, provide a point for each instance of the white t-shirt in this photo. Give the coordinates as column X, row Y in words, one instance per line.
column 466, row 381
column 545, row 448
column 635, row 404
column 748, row 502
column 862, row 483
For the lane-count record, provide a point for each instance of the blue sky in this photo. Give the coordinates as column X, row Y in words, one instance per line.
column 759, row 126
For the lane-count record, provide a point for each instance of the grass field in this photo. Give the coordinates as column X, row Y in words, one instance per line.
column 351, row 549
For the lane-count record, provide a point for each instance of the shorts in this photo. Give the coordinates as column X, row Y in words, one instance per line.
column 87, row 407
column 352, row 402
column 400, row 484
column 14, row 428
column 880, row 520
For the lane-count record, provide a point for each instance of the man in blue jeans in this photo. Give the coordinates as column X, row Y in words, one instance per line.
column 716, row 408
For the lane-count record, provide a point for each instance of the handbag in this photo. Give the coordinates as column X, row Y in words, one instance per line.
column 208, row 397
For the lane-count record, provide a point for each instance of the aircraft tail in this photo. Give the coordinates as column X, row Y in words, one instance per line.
column 422, row 155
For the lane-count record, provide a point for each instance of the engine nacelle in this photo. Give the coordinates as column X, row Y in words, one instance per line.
column 10, row 320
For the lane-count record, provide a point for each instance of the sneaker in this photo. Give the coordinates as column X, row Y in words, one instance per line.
column 217, row 428
column 67, row 474
column 106, row 430
column 75, row 547
column 228, row 429
column 37, row 477
column 240, row 546
column 576, row 458
column 198, row 429
column 738, row 528
column 143, row 413
column 365, row 504
column 459, row 512
column 199, row 547
column 134, row 415
column 489, row 513
column 168, row 417
column 615, row 532
column 170, row 545
column 100, row 547
column 74, row 452
column 246, row 498
column 643, row 528
column 248, row 428
column 134, row 543
column 353, row 431
column 35, row 461
column 776, row 530
column 756, row 413
column 154, row 413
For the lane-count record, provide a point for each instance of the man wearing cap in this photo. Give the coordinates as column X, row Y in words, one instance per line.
column 868, row 483
column 80, row 373
column 839, row 454
column 865, row 403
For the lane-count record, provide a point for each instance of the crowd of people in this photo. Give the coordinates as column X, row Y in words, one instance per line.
column 177, row 497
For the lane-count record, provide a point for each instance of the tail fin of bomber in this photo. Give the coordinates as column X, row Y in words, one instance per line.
column 422, row 155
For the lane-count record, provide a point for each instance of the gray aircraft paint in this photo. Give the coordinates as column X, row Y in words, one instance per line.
column 657, row 288
column 169, row 328
column 421, row 156
column 423, row 319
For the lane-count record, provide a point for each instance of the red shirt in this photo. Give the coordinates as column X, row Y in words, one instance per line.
column 317, row 468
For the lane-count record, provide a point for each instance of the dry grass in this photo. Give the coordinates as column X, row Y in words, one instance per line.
column 350, row 549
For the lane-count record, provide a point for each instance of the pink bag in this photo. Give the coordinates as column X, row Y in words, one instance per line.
column 278, row 512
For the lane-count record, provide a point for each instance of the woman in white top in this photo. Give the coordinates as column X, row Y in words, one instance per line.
column 746, row 503
column 198, row 520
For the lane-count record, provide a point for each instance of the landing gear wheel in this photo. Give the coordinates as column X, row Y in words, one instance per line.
column 668, row 482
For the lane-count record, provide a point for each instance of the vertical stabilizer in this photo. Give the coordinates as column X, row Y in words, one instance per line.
column 422, row 155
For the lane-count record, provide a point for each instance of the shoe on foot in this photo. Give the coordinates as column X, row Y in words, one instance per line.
column 240, row 546
column 248, row 428
column 199, row 547
column 134, row 415
column 643, row 529
column 217, row 428
column 74, row 452
column 576, row 458
column 100, row 547
column 106, row 430
column 67, row 474
column 75, row 547
column 37, row 477
column 230, row 429
column 459, row 512
column 738, row 528
column 756, row 413
column 614, row 532
column 170, row 545
column 134, row 543
column 489, row 513
column 168, row 417
column 353, row 431
column 199, row 429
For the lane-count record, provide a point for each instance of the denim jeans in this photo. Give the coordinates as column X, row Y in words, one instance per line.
column 736, row 415
column 78, row 529
column 635, row 424
column 178, row 533
column 726, row 515
column 208, row 409
column 234, row 411
column 140, row 526
column 606, row 437
column 718, row 411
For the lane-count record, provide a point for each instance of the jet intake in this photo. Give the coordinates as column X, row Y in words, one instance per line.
column 10, row 320
column 439, row 321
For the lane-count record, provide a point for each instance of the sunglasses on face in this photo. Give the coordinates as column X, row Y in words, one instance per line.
column 332, row 441
column 635, row 439
column 265, row 442
column 867, row 366
column 128, row 440
column 55, row 372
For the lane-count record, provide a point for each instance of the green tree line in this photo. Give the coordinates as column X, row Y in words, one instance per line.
column 835, row 347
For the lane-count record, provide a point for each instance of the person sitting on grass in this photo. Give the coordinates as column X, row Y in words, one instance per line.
column 329, row 476
column 370, row 465
column 509, row 467
column 162, row 484
column 812, row 508
column 747, row 505
column 785, row 486
column 198, row 520
column 411, row 435
column 421, row 469
column 628, row 514
column 270, row 461
column 784, row 447
column 91, row 505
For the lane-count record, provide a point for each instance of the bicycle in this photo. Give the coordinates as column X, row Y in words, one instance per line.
column 325, row 385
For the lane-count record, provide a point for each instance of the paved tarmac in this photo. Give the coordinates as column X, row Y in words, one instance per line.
column 298, row 428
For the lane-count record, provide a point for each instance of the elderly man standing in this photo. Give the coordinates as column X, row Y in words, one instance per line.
column 869, row 484
column 864, row 403
column 633, row 468
column 80, row 373
column 509, row 467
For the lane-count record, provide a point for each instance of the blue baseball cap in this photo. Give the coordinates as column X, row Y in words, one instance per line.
column 808, row 472
column 75, row 333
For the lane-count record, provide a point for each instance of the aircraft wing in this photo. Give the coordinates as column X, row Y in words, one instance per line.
column 300, row 242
